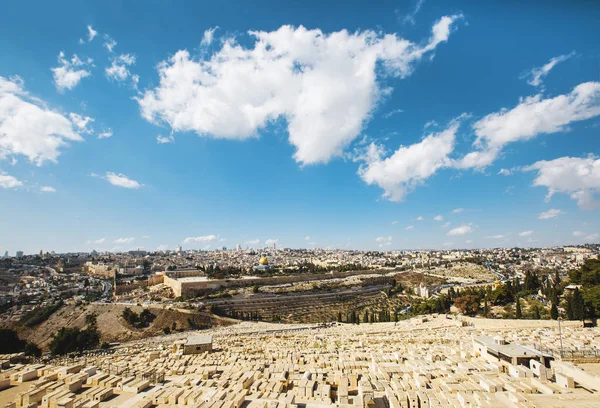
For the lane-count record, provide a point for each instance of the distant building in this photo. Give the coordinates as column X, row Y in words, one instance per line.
column 19, row 254
column 6, row 254
column 263, row 264
column 178, row 249
column 197, row 344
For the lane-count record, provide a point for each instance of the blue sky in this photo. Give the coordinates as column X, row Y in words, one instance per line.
column 410, row 124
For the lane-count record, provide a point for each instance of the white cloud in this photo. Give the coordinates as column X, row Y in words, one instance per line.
column 208, row 36
column 121, row 180
column 109, row 43
column 495, row 237
column 446, row 224
column 307, row 238
column 410, row 227
column 409, row 166
column 457, row 210
column 91, row 33
column 392, row 113
column 419, row 218
column 47, row 189
column 106, row 134
column 324, row 85
column 165, row 139
column 383, row 239
column 504, row 172
column 468, row 241
column 7, row 181
column 146, row 236
column 253, row 242
column 537, row 74
column 593, row 238
column 162, row 247
column 579, row 177
column 550, row 214
column 525, row 233
column 28, row 127
column 81, row 122
column 124, row 240
column 99, row 241
column 69, row 72
column 118, row 70
column 438, row 218
column 410, row 17
column 462, row 230
column 394, row 222
column 271, row 242
column 200, row 239
column 531, row 117
column 578, row 234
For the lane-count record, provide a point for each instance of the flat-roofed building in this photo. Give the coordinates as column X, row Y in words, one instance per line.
column 510, row 352
column 197, row 344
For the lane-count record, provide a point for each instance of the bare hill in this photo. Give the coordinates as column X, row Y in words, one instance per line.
column 114, row 328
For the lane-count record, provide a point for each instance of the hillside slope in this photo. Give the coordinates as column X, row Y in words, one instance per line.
column 114, row 328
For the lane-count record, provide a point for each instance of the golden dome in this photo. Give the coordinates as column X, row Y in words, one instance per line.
column 263, row 261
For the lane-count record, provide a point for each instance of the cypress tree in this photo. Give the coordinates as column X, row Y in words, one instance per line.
column 518, row 313
column 554, row 311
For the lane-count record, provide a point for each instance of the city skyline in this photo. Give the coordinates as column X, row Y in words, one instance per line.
column 413, row 125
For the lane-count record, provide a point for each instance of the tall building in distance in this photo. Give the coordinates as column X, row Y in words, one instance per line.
column 19, row 254
column 6, row 254
column 178, row 249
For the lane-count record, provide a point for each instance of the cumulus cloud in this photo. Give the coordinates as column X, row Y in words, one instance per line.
column 550, row 214
column 98, row 241
column 504, row 172
column 106, row 134
column 200, row 239
column 7, row 181
column 578, row 234
column 91, row 33
column 307, row 238
column 408, row 166
column 495, row 237
column 124, row 240
column 109, row 43
column 120, row 180
column 165, row 139
column 462, row 230
column 531, row 117
column 525, row 233
column 579, row 177
column 81, row 122
column 253, row 242
column 324, row 85
column 28, row 127
column 536, row 75
column 383, row 239
column 457, row 210
column 271, row 242
column 410, row 227
column 208, row 36
column 68, row 73
column 438, row 218
column 446, row 224
column 47, row 189
column 118, row 70
column 419, row 218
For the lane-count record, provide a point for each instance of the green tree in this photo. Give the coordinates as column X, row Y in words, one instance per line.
column 554, row 311
column 518, row 312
